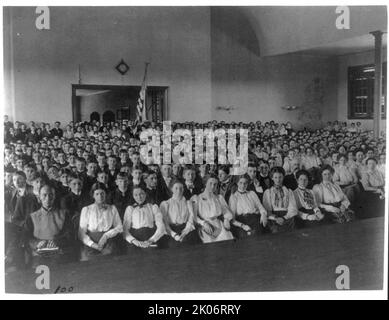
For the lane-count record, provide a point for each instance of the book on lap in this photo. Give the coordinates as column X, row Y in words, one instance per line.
column 96, row 236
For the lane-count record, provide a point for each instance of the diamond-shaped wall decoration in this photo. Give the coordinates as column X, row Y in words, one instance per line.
column 122, row 67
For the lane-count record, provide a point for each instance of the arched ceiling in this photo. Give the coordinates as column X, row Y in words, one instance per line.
column 281, row 30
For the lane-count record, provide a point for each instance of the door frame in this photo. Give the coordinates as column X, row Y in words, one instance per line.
column 75, row 99
column 165, row 100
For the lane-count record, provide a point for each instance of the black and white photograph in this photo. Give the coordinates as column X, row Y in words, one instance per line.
column 194, row 149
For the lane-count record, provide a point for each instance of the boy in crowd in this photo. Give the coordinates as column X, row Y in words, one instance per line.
column 121, row 197
column 48, row 232
column 152, row 190
column 191, row 186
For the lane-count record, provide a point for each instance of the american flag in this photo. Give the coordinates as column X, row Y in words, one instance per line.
column 142, row 114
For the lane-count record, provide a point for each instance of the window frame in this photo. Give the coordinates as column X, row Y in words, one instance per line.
column 354, row 71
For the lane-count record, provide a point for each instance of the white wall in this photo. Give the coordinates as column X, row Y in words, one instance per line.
column 258, row 87
column 176, row 40
column 209, row 57
column 344, row 62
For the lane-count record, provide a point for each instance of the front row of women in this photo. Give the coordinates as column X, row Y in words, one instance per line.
column 203, row 219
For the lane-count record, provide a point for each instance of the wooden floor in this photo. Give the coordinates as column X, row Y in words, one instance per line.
column 300, row 260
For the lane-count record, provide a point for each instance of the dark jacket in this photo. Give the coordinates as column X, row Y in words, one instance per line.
column 189, row 193
column 290, row 182
column 121, row 201
column 24, row 207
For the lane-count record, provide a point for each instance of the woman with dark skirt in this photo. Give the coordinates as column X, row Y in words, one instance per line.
column 100, row 223
column 346, row 178
column 331, row 199
column 143, row 224
column 372, row 203
column 179, row 218
column 280, row 203
column 213, row 215
column 250, row 217
column 309, row 214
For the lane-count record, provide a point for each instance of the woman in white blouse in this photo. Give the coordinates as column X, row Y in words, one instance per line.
column 346, row 178
column 291, row 158
column 280, row 203
column 99, row 224
column 68, row 134
column 312, row 163
column 331, row 199
column 179, row 217
column 372, row 201
column 212, row 213
column 310, row 160
column 308, row 211
column 382, row 163
column 249, row 213
column 143, row 223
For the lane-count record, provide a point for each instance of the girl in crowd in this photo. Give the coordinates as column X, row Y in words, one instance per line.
column 260, row 153
column 226, row 184
column 342, row 150
column 137, row 179
column 290, row 180
column 203, row 173
column 346, row 178
column 253, row 183
column 310, row 161
column 143, row 223
column 99, row 224
column 263, row 176
column 249, row 214
column 72, row 162
column 382, row 163
column 334, row 159
column 68, row 134
column 280, row 203
column 323, row 155
column 301, row 151
column 179, row 217
column 331, row 199
column 213, row 214
column 350, row 159
column 372, row 203
column 177, row 170
column 153, row 194
column 358, row 166
column 278, row 158
column 292, row 157
column 46, row 164
column 103, row 178
column 165, row 182
column 283, row 131
column 214, row 169
column 308, row 211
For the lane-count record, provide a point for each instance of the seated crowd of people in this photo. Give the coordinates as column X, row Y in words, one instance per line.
column 83, row 192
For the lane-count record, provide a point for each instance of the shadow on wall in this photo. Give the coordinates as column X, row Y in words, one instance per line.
column 236, row 26
column 311, row 113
